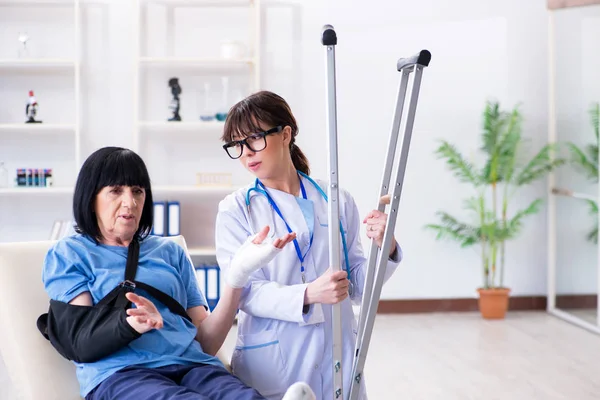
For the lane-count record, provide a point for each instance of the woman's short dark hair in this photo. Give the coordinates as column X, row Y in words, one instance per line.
column 110, row 166
column 268, row 108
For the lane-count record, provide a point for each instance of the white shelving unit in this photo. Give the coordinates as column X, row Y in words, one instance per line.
column 46, row 66
column 196, row 62
column 31, row 190
column 173, row 189
column 143, row 62
column 202, row 251
column 167, row 146
column 38, row 128
column 196, row 126
column 39, row 63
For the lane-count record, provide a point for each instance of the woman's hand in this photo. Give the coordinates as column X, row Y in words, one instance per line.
column 145, row 316
column 253, row 255
column 329, row 288
column 376, row 221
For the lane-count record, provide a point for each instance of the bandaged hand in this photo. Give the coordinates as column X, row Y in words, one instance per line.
column 145, row 316
column 254, row 254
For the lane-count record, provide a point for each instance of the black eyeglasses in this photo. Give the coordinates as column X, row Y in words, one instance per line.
column 255, row 142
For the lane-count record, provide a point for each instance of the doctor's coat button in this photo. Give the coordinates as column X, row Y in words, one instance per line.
column 316, row 366
column 317, row 325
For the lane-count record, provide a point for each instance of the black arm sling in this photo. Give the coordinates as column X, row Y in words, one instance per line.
column 87, row 334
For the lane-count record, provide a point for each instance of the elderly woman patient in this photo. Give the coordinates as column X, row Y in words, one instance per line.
column 156, row 340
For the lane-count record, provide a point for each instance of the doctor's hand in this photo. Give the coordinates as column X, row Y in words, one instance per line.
column 145, row 316
column 254, row 254
column 376, row 221
column 329, row 288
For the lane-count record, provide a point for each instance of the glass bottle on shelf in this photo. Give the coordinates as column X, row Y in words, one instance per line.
column 224, row 106
column 207, row 108
column 3, row 176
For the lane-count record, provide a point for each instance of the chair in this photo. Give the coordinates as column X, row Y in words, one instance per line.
column 35, row 368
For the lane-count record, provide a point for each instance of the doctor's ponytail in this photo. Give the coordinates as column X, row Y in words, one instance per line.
column 267, row 108
column 299, row 159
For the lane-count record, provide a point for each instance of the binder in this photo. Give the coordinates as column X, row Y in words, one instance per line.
column 201, row 278
column 209, row 281
column 160, row 219
column 174, row 219
column 213, row 286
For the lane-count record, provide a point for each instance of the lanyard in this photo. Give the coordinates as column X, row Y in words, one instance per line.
column 263, row 191
column 301, row 257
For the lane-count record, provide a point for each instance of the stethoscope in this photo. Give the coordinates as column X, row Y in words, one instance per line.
column 261, row 189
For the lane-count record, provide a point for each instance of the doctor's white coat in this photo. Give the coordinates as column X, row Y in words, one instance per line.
column 277, row 344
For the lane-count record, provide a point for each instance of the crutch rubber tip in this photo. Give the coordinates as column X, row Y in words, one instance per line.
column 421, row 58
column 329, row 38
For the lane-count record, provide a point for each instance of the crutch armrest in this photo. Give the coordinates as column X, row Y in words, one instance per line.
column 421, row 58
column 329, row 37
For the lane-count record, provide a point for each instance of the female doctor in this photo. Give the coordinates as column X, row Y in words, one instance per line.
column 284, row 323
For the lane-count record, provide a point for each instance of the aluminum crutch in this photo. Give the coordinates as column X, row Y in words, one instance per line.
column 329, row 40
column 377, row 260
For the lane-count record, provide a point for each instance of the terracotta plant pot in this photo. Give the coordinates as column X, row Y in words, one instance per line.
column 493, row 303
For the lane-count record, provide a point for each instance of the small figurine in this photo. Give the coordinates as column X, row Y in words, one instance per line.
column 31, row 109
column 175, row 91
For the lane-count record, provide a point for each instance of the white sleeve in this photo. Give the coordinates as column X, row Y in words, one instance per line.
column 260, row 297
column 356, row 257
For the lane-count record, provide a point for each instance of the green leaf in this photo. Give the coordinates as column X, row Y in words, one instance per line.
column 595, row 119
column 592, row 236
column 592, row 150
column 582, row 162
column 514, row 224
column 451, row 228
column 539, row 166
column 493, row 121
column 464, row 170
column 507, row 157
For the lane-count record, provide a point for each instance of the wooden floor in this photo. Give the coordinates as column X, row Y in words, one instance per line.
column 530, row 355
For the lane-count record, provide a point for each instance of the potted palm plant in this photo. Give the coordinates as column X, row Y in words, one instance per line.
column 494, row 184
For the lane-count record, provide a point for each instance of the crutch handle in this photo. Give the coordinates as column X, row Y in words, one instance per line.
column 386, row 199
column 329, row 37
column 421, row 58
column 562, row 192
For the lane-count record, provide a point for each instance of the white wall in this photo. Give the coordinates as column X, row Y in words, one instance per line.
column 480, row 50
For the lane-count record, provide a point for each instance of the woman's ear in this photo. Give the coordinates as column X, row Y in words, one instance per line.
column 286, row 134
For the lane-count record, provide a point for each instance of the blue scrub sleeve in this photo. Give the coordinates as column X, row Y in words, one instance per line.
column 63, row 274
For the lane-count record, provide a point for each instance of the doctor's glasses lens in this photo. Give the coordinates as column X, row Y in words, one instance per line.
column 256, row 142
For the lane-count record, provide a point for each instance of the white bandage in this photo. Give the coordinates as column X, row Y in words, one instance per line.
column 248, row 259
column 299, row 391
